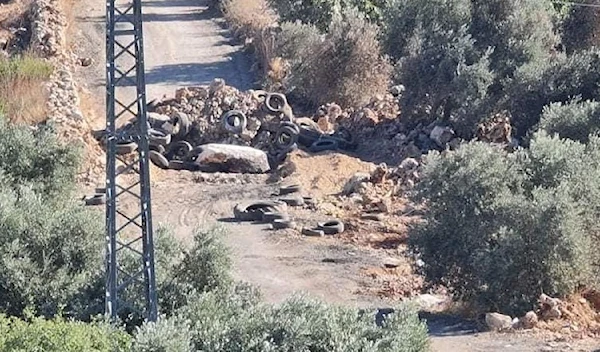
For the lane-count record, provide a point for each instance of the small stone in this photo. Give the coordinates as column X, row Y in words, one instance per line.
column 529, row 321
column 391, row 263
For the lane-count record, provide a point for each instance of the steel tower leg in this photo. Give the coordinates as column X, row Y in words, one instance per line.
column 130, row 276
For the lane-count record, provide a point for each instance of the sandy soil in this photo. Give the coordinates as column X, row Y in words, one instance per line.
column 186, row 44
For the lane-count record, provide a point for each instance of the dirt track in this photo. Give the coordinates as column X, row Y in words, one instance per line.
column 185, row 44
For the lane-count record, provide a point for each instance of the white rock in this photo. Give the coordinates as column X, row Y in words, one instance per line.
column 497, row 321
column 231, row 158
column 352, row 185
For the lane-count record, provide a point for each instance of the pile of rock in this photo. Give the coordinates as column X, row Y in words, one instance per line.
column 376, row 191
column 576, row 315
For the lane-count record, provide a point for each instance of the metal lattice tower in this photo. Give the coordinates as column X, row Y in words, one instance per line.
column 128, row 232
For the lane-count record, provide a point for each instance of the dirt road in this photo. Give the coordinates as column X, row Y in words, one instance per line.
column 186, row 44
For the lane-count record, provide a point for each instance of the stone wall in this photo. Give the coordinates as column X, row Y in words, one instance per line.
column 48, row 38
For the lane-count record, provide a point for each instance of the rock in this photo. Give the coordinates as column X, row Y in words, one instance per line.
column 529, row 321
column 357, row 179
column 397, row 90
column 441, row 135
column 428, row 301
column 231, row 158
column 497, row 321
column 408, row 164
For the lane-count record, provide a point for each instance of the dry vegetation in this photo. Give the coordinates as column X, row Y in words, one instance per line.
column 22, row 94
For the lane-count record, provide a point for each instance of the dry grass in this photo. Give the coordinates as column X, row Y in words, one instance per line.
column 22, row 94
column 249, row 16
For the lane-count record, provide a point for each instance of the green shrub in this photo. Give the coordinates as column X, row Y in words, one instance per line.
column 165, row 335
column 37, row 159
column 321, row 13
column 445, row 78
column 182, row 272
column 542, row 83
column 575, row 120
column 345, row 67
column 58, row 335
column 50, row 252
column 225, row 321
column 502, row 228
column 581, row 27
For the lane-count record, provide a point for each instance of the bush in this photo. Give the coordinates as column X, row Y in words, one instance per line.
column 345, row 67
column 321, row 13
column 560, row 80
column 58, row 335
column 502, row 228
column 165, row 335
column 581, row 27
column 575, row 120
column 444, row 77
column 183, row 272
column 37, row 159
column 226, row 321
column 51, row 247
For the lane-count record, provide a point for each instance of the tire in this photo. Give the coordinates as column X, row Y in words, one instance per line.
column 308, row 137
column 125, row 147
column 100, row 190
column 230, row 118
column 331, row 227
column 157, row 137
column 254, row 211
column 280, row 224
column 323, row 144
column 157, row 148
column 293, row 201
column 272, row 216
column 158, row 159
column 312, row 232
column 309, row 200
column 152, row 105
column 176, row 165
column 292, row 125
column 283, row 190
column 183, row 122
column 97, row 199
column 179, row 150
column 275, row 102
column 285, row 138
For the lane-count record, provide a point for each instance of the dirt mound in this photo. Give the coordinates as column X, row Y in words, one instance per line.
column 325, row 173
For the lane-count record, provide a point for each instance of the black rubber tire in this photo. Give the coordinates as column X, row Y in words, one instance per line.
column 158, row 159
column 157, row 148
column 323, row 144
column 158, row 137
column 176, row 165
column 292, row 125
column 309, row 200
column 97, row 199
column 125, row 148
column 312, row 232
column 275, row 102
column 152, row 105
column 229, row 121
column 280, row 224
column 179, row 150
column 183, row 122
column 254, row 211
column 273, row 215
column 331, row 227
column 285, row 138
column 308, row 137
column 293, row 201
column 289, row 189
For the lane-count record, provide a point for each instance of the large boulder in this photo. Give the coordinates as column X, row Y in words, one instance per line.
column 230, row 158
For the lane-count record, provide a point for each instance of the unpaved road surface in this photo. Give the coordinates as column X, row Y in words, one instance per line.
column 187, row 44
